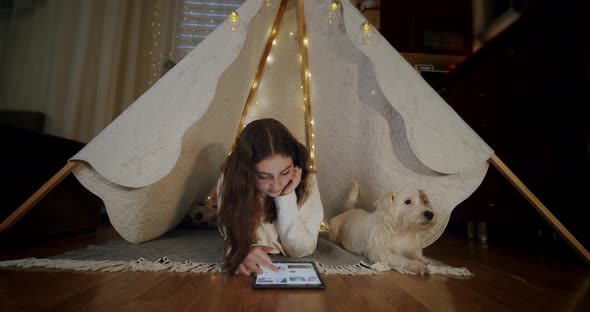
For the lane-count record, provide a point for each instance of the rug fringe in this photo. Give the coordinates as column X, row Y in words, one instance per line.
column 360, row 268
column 139, row 265
column 162, row 264
column 449, row 271
column 433, row 268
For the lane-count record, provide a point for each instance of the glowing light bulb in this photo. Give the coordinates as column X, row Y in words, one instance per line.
column 333, row 13
column 334, row 5
column 234, row 17
column 366, row 27
column 233, row 20
column 367, row 34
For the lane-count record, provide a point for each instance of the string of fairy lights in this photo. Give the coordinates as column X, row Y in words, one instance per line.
column 155, row 50
column 305, row 77
column 200, row 18
column 334, row 12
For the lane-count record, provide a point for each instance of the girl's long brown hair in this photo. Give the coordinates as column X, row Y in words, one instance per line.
column 237, row 215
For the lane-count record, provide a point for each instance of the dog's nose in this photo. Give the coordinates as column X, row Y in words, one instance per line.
column 428, row 215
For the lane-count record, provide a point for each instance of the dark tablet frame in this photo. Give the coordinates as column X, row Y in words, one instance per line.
column 321, row 285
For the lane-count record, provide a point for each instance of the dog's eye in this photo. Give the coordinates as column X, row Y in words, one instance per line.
column 408, row 201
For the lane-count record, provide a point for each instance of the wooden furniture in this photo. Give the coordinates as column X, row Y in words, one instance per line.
column 526, row 94
column 30, row 158
column 428, row 26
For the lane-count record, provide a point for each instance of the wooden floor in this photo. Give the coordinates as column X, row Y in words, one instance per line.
column 506, row 279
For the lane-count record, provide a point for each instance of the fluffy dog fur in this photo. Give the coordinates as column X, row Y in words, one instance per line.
column 388, row 235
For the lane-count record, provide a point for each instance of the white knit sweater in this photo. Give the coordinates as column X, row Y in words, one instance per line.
column 295, row 231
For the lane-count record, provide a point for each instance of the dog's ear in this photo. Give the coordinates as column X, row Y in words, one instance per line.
column 391, row 196
column 376, row 204
column 394, row 195
column 424, row 197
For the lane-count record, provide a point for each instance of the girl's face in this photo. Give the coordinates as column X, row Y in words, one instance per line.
column 273, row 173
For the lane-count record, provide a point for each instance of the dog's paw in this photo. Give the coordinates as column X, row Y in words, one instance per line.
column 424, row 261
column 416, row 267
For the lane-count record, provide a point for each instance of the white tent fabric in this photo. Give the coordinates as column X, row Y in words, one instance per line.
column 375, row 121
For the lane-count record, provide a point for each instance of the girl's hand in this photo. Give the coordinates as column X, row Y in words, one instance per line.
column 293, row 183
column 256, row 258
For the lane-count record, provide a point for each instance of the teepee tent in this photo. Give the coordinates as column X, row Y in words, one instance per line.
column 319, row 68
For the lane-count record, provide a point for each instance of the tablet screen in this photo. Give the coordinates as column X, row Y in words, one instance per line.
column 290, row 275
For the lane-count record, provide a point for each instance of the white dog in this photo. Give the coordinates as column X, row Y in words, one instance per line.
column 389, row 235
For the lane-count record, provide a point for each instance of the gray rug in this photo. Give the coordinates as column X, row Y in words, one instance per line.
column 184, row 250
column 201, row 251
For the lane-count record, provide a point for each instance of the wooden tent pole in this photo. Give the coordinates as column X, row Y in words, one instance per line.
column 37, row 196
column 261, row 66
column 531, row 198
column 302, row 30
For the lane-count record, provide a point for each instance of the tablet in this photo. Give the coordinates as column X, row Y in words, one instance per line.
column 291, row 275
